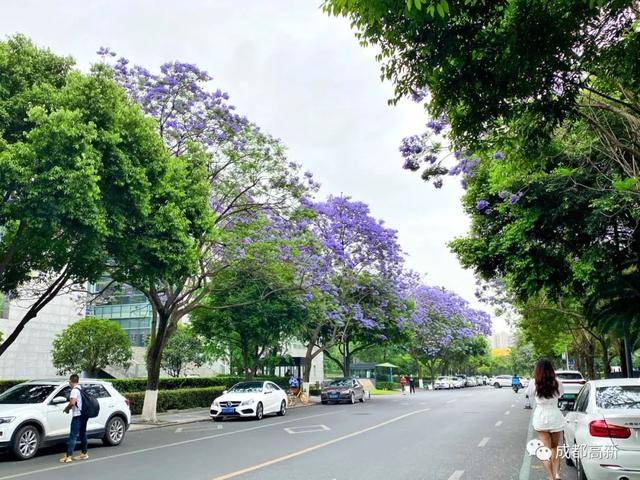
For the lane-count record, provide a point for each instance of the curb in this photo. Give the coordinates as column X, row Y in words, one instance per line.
column 137, row 426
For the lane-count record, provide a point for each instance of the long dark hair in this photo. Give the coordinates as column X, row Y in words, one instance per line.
column 546, row 382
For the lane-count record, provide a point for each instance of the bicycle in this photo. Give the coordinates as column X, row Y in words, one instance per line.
column 295, row 397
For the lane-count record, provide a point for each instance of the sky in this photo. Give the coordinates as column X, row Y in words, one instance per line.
column 298, row 74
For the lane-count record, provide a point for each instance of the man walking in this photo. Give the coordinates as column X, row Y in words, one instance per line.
column 78, row 422
column 412, row 384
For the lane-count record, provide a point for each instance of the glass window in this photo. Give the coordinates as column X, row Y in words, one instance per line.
column 274, row 386
column 583, row 399
column 247, row 387
column 26, row 393
column 569, row 376
column 95, row 390
column 618, row 396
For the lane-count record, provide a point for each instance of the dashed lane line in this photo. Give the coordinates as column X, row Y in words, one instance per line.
column 457, row 475
column 498, row 423
column 159, row 447
column 318, row 446
column 483, row 442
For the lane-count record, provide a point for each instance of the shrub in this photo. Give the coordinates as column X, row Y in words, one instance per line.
column 7, row 384
column 169, row 383
column 180, row 398
column 387, row 386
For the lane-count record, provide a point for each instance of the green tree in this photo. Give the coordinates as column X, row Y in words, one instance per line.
column 183, row 349
column 81, row 169
column 90, row 345
column 254, row 323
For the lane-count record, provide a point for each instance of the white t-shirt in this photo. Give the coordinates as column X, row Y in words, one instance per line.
column 75, row 393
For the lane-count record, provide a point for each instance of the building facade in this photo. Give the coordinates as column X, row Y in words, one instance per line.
column 30, row 355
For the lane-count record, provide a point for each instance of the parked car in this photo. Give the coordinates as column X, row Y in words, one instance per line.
column 606, row 416
column 463, row 378
column 500, row 381
column 572, row 381
column 444, row 383
column 32, row 416
column 471, row 381
column 341, row 390
column 250, row 399
column 457, row 382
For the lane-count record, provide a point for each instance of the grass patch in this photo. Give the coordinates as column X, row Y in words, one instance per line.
column 375, row 391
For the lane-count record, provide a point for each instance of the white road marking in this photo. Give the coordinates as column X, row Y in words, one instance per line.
column 451, row 401
column 307, row 429
column 483, row 442
column 498, row 423
column 198, row 429
column 166, row 445
column 512, row 406
column 289, row 456
column 507, row 412
column 457, row 475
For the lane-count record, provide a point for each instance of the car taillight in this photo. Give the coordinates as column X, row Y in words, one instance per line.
column 600, row 428
column 126, row 400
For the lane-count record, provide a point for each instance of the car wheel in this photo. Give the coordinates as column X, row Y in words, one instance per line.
column 567, row 460
column 352, row 399
column 496, row 385
column 114, row 432
column 283, row 409
column 362, row 398
column 259, row 412
column 26, row 443
column 324, row 402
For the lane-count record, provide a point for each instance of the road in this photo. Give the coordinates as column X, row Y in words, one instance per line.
column 476, row 433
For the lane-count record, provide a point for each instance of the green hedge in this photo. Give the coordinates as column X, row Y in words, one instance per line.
column 387, row 386
column 125, row 385
column 178, row 399
column 128, row 385
column 7, row 384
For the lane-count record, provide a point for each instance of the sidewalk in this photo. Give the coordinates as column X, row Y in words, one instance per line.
column 192, row 415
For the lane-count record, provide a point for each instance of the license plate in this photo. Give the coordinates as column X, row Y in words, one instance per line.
column 334, row 395
column 228, row 410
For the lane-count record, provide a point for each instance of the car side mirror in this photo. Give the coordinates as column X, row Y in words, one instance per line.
column 58, row 400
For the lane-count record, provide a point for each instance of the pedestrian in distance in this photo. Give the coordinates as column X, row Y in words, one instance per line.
column 547, row 420
column 403, row 384
column 78, row 422
column 412, row 384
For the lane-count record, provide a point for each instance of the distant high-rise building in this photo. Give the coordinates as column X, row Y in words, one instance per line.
column 502, row 339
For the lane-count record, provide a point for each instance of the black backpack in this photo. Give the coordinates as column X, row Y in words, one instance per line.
column 90, row 404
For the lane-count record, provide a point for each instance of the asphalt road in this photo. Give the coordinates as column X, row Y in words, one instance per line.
column 475, row 433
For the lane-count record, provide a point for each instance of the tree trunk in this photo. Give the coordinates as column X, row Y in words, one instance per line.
column 623, row 358
column 606, row 362
column 154, row 359
column 346, row 360
column 308, row 359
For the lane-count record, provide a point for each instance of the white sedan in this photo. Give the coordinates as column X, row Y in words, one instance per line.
column 250, row 399
column 443, row 383
column 603, row 430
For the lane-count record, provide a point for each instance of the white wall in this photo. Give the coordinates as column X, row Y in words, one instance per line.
column 30, row 355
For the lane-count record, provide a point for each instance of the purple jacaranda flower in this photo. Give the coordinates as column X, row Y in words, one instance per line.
column 481, row 205
column 498, row 156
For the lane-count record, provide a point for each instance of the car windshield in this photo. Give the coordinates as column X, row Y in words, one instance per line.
column 245, row 387
column 569, row 376
column 29, row 393
column 618, row 396
column 342, row 382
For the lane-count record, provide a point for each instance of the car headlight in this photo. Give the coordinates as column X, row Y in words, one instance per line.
column 251, row 401
column 6, row 420
column 216, row 403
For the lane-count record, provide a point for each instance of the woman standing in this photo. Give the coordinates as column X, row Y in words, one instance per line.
column 548, row 420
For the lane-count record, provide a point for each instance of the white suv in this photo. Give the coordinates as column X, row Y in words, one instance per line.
column 500, row 381
column 31, row 415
